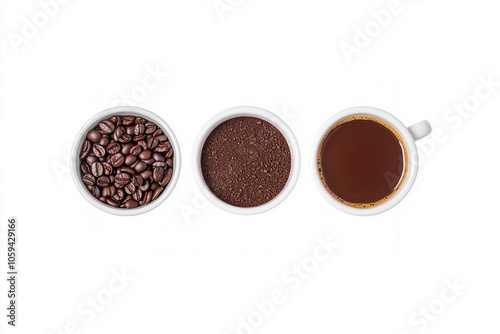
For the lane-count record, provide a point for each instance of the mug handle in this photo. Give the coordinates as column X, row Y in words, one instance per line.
column 420, row 130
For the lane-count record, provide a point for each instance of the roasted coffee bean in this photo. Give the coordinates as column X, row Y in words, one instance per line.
column 127, row 120
column 84, row 167
column 109, row 191
column 112, row 202
column 122, row 178
column 126, row 161
column 127, row 170
column 135, row 150
column 116, row 120
column 144, row 155
column 145, row 186
column 117, row 159
column 94, row 136
column 103, row 181
column 104, row 140
column 157, row 132
column 138, row 195
column 140, row 167
column 162, row 138
column 118, row 133
column 137, row 180
column 97, row 169
column 139, row 138
column 160, row 164
column 147, row 197
column 126, row 148
column 158, row 157
column 85, row 149
column 96, row 192
column 125, row 138
column 139, row 129
column 130, row 188
column 120, row 195
column 153, row 142
column 130, row 130
column 146, row 174
column 161, row 148
column 140, row 120
column 157, row 193
column 113, row 148
column 157, row 174
column 169, row 153
column 130, row 159
column 107, row 126
column 88, row 179
column 108, row 169
column 150, row 128
column 165, row 146
column 131, row 203
column 166, row 179
column 91, row 159
column 99, row 150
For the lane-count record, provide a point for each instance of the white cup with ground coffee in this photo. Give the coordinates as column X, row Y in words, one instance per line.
column 246, row 160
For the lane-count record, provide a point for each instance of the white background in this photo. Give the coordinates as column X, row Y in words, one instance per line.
column 198, row 272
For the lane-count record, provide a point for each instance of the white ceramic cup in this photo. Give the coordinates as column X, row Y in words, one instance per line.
column 248, row 112
column 91, row 124
column 409, row 135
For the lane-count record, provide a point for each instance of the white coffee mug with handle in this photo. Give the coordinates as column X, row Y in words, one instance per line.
column 409, row 135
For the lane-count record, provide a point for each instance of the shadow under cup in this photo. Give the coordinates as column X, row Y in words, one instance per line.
column 362, row 161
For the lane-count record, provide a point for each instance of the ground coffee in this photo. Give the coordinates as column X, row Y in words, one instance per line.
column 126, row 161
column 246, row 161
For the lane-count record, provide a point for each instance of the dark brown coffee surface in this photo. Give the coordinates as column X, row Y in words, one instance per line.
column 246, row 161
column 361, row 161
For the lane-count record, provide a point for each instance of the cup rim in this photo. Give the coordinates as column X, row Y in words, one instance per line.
column 90, row 124
column 411, row 148
column 249, row 111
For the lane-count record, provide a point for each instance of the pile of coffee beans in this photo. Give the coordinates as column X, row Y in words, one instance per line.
column 246, row 161
column 126, row 161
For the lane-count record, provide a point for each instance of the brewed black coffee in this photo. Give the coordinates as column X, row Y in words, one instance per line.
column 362, row 161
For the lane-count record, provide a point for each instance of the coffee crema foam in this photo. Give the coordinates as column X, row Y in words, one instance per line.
column 404, row 154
